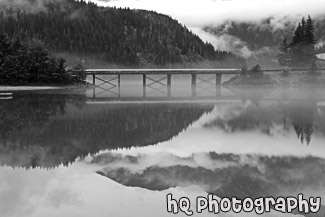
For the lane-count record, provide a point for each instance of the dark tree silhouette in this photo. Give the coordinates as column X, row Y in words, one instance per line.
column 301, row 51
column 22, row 63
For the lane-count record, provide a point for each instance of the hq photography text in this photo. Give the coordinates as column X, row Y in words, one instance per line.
column 215, row 205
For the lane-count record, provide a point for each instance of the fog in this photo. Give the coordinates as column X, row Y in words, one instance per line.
column 224, row 41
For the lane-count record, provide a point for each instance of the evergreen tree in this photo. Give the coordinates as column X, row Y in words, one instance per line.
column 303, row 29
column 21, row 63
column 310, row 44
column 298, row 36
column 284, row 57
column 310, row 38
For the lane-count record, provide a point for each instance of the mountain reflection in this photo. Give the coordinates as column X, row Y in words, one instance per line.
column 225, row 175
column 303, row 116
column 47, row 130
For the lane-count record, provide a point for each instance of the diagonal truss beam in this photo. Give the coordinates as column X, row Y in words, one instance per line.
column 156, row 81
column 206, row 81
column 208, row 84
column 108, row 82
column 104, row 90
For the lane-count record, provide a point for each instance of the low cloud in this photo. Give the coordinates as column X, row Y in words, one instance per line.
column 320, row 44
column 224, row 41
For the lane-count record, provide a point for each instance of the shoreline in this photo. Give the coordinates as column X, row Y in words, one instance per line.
column 18, row 88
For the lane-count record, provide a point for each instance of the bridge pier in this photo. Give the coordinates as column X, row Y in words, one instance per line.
column 169, row 85
column 218, row 84
column 119, row 85
column 193, row 85
column 144, row 78
column 218, row 79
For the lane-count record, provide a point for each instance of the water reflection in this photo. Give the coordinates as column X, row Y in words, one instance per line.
column 303, row 116
column 225, row 175
column 49, row 129
column 245, row 149
column 250, row 147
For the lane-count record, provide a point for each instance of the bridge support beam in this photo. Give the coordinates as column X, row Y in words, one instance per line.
column 194, row 79
column 119, row 84
column 193, row 85
column 169, row 85
column 94, row 92
column 218, row 79
column 218, row 84
column 144, row 78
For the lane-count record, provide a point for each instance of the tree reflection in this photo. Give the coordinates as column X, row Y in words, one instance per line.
column 49, row 129
column 301, row 116
column 28, row 115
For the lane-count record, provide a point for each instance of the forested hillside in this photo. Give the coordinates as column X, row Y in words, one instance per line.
column 122, row 36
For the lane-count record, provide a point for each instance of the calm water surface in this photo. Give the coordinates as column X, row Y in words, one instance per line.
column 65, row 153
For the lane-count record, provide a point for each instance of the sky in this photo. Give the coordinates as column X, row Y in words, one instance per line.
column 199, row 13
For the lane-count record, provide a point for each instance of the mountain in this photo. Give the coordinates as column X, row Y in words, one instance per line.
column 256, row 40
column 121, row 36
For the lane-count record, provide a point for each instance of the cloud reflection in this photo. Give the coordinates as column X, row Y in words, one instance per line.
column 223, row 174
column 22, row 194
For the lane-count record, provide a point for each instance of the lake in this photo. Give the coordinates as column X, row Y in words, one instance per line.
column 68, row 153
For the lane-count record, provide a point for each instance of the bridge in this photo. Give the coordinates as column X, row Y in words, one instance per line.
column 149, row 81
column 149, row 77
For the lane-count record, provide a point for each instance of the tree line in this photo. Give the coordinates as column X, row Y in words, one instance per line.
column 123, row 36
column 300, row 52
column 29, row 63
